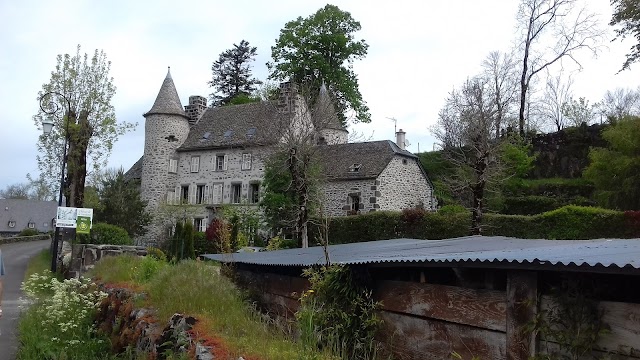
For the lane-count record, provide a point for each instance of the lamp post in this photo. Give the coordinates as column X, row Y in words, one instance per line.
column 47, row 126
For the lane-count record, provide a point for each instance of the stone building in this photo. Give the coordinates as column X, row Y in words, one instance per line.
column 208, row 157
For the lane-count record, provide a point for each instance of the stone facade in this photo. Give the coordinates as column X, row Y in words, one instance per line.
column 333, row 136
column 339, row 196
column 403, row 185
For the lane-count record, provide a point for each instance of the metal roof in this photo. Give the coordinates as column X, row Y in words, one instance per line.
column 607, row 253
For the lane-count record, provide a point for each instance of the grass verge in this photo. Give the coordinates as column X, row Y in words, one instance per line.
column 197, row 288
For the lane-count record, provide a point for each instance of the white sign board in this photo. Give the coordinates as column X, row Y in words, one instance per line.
column 66, row 216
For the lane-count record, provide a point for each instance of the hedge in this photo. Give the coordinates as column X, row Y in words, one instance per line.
column 102, row 233
column 568, row 222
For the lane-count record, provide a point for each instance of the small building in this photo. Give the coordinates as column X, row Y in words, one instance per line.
column 475, row 296
column 19, row 214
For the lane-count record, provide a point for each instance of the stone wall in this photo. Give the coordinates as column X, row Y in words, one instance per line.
column 80, row 258
column 403, row 185
column 337, row 194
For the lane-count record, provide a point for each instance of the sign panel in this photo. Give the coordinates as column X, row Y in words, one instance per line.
column 67, row 217
column 83, row 225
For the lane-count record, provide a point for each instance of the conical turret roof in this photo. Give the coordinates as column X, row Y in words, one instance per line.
column 168, row 101
column 324, row 114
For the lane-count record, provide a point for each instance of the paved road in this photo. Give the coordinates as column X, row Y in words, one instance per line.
column 15, row 256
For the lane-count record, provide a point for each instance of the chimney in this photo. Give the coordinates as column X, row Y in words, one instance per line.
column 195, row 109
column 288, row 95
column 400, row 139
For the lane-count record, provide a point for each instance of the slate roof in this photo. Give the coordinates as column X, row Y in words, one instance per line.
column 615, row 255
column 135, row 171
column 373, row 157
column 324, row 113
column 236, row 121
column 167, row 101
column 24, row 211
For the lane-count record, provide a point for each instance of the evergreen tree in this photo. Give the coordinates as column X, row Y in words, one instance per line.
column 232, row 75
column 188, row 250
column 120, row 205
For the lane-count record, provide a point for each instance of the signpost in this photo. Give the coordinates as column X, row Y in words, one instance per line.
column 80, row 219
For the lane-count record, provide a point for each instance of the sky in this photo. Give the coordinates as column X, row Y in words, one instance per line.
column 418, row 52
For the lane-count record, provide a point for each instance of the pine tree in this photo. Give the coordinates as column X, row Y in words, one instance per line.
column 232, row 74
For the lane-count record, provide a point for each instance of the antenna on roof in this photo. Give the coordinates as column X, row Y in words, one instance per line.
column 395, row 124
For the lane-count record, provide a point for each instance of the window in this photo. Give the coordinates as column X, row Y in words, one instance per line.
column 354, row 202
column 251, row 133
column 200, row 194
column 184, row 194
column 195, row 164
column 227, row 135
column 221, row 162
column 217, row 193
column 31, row 225
column 404, row 161
column 235, row 193
column 254, row 193
column 246, row 161
column 173, row 166
column 200, row 224
column 12, row 224
column 355, row 167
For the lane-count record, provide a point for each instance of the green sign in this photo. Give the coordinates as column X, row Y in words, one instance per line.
column 83, row 224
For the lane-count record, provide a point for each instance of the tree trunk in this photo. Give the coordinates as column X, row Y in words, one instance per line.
column 79, row 135
column 478, row 195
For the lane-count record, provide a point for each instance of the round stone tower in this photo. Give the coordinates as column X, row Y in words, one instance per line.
column 166, row 128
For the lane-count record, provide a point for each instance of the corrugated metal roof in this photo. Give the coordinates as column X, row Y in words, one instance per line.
column 615, row 253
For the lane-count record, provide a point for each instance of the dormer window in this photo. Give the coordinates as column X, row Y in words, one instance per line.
column 12, row 224
column 251, row 133
column 355, row 167
column 31, row 225
column 227, row 135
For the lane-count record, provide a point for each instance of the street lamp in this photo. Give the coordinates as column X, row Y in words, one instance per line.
column 47, row 126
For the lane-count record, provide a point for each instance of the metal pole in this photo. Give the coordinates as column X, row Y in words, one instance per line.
column 56, row 236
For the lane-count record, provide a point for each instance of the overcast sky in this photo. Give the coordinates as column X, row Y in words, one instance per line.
column 418, row 51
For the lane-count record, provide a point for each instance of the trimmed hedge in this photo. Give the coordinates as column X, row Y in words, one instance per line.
column 107, row 234
column 569, row 222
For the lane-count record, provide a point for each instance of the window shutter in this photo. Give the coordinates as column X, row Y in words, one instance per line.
column 195, row 163
column 192, row 194
column 169, row 197
column 217, row 194
column 207, row 199
column 224, row 164
column 177, row 197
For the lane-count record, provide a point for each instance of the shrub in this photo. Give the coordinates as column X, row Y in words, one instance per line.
column 218, row 237
column 632, row 223
column 187, row 234
column 28, row 232
column 278, row 243
column 529, row 205
column 578, row 222
column 452, row 209
column 102, row 233
column 156, row 253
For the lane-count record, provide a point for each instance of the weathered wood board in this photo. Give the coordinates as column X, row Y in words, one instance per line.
column 479, row 308
column 413, row 338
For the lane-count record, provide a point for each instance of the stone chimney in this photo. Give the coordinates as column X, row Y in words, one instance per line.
column 287, row 98
column 400, row 139
column 195, row 109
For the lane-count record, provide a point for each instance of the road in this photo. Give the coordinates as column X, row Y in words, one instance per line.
column 15, row 256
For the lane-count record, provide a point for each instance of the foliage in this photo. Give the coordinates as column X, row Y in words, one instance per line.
column 572, row 321
column 338, row 313
column 578, row 111
column 321, row 48
column 188, row 233
column 615, row 171
column 278, row 243
column 28, row 232
column 196, row 287
column 218, row 237
column 278, row 199
column 102, row 233
column 59, row 325
column 15, row 191
column 231, row 75
column 515, row 154
column 245, row 224
column 92, row 127
column 156, row 253
column 438, row 168
column 121, row 205
column 181, row 245
column 626, row 15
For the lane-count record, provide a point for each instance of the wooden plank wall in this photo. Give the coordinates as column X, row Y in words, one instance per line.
column 430, row 321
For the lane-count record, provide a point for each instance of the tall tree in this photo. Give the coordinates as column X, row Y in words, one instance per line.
column 578, row 112
column 121, row 205
column 232, row 75
column 551, row 30
column 321, row 48
column 85, row 118
column 626, row 13
column 500, row 69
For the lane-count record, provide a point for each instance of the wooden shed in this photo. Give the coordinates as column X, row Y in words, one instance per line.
column 474, row 296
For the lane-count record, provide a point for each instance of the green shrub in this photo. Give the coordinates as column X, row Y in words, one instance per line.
column 452, row 209
column 200, row 243
column 278, row 243
column 578, row 222
column 107, row 234
column 28, row 232
column 529, row 205
column 156, row 253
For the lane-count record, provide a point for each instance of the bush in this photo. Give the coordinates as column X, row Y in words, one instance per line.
column 218, row 237
column 529, row 205
column 578, row 222
column 28, row 232
column 107, row 234
column 278, row 243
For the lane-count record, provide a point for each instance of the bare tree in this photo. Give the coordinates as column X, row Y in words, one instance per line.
column 500, row 69
column 619, row 103
column 556, row 93
column 552, row 30
column 466, row 129
column 16, row 191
